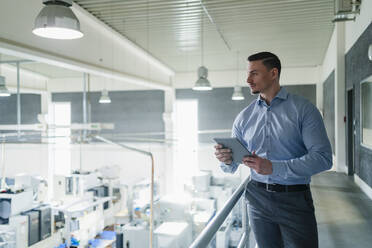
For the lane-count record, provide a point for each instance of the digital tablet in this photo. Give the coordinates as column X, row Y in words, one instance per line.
column 238, row 149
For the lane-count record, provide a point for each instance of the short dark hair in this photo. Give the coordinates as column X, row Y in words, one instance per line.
column 269, row 60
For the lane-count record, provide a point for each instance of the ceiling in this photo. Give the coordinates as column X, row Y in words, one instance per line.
column 297, row 30
column 43, row 69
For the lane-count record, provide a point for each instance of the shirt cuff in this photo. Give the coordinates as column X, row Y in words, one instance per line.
column 279, row 167
column 231, row 168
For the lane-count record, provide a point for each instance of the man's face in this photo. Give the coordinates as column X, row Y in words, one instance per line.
column 259, row 77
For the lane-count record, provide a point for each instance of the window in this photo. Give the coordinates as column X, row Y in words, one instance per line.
column 186, row 129
column 60, row 115
column 366, row 113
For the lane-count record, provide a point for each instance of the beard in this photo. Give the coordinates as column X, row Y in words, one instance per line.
column 254, row 92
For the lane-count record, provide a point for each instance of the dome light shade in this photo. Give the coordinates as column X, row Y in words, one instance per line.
column 57, row 21
column 238, row 94
column 4, row 92
column 202, row 84
column 104, row 97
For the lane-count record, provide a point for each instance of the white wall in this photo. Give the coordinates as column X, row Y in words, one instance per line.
column 26, row 158
column 355, row 28
column 329, row 61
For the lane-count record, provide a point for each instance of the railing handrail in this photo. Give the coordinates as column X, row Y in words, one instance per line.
column 211, row 229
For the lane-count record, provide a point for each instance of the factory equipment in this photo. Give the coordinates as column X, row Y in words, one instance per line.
column 118, row 192
column 59, row 220
column 172, row 208
column 7, row 237
column 33, row 226
column 24, row 182
column 14, row 203
column 136, row 235
column 201, row 181
column 141, row 192
column 45, row 221
column 202, row 211
column 119, row 240
column 173, row 235
column 20, row 225
column 101, row 191
column 75, row 184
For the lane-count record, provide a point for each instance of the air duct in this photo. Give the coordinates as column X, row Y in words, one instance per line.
column 346, row 10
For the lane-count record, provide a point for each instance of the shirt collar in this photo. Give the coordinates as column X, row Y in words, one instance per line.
column 282, row 94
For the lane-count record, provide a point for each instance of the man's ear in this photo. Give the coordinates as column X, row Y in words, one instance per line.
column 275, row 72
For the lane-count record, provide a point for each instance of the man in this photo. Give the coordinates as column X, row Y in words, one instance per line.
column 289, row 142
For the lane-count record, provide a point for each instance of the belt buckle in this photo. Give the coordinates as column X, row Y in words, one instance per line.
column 268, row 189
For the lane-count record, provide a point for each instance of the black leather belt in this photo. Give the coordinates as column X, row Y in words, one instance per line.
column 281, row 188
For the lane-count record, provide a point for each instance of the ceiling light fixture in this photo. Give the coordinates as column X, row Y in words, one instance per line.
column 104, row 97
column 57, row 21
column 202, row 84
column 4, row 92
column 238, row 94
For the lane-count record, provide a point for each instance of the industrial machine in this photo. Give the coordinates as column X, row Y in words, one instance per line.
column 136, row 235
column 7, row 237
column 75, row 184
column 14, row 203
column 20, row 225
column 173, row 235
column 33, row 226
column 45, row 221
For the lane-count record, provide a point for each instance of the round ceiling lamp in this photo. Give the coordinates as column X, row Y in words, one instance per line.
column 104, row 97
column 57, row 21
column 202, row 84
column 4, row 92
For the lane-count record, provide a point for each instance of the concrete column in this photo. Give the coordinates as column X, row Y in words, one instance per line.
column 46, row 103
column 319, row 91
column 340, row 125
column 168, row 117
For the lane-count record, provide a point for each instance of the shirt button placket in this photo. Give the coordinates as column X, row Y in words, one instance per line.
column 268, row 131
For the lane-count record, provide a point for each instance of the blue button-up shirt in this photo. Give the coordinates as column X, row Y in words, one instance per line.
column 290, row 133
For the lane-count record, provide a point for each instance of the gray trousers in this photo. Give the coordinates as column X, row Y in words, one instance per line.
column 281, row 219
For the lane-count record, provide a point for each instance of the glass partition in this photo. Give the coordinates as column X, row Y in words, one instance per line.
column 366, row 113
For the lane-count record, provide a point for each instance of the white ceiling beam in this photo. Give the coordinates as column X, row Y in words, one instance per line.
column 18, row 50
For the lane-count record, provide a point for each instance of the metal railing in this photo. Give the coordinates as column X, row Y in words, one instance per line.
column 205, row 237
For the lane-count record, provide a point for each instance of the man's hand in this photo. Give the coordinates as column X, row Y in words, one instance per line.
column 260, row 165
column 224, row 155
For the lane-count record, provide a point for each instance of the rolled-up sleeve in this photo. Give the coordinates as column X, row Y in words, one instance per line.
column 319, row 151
column 229, row 168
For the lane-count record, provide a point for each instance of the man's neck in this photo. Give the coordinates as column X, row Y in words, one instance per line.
column 269, row 94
